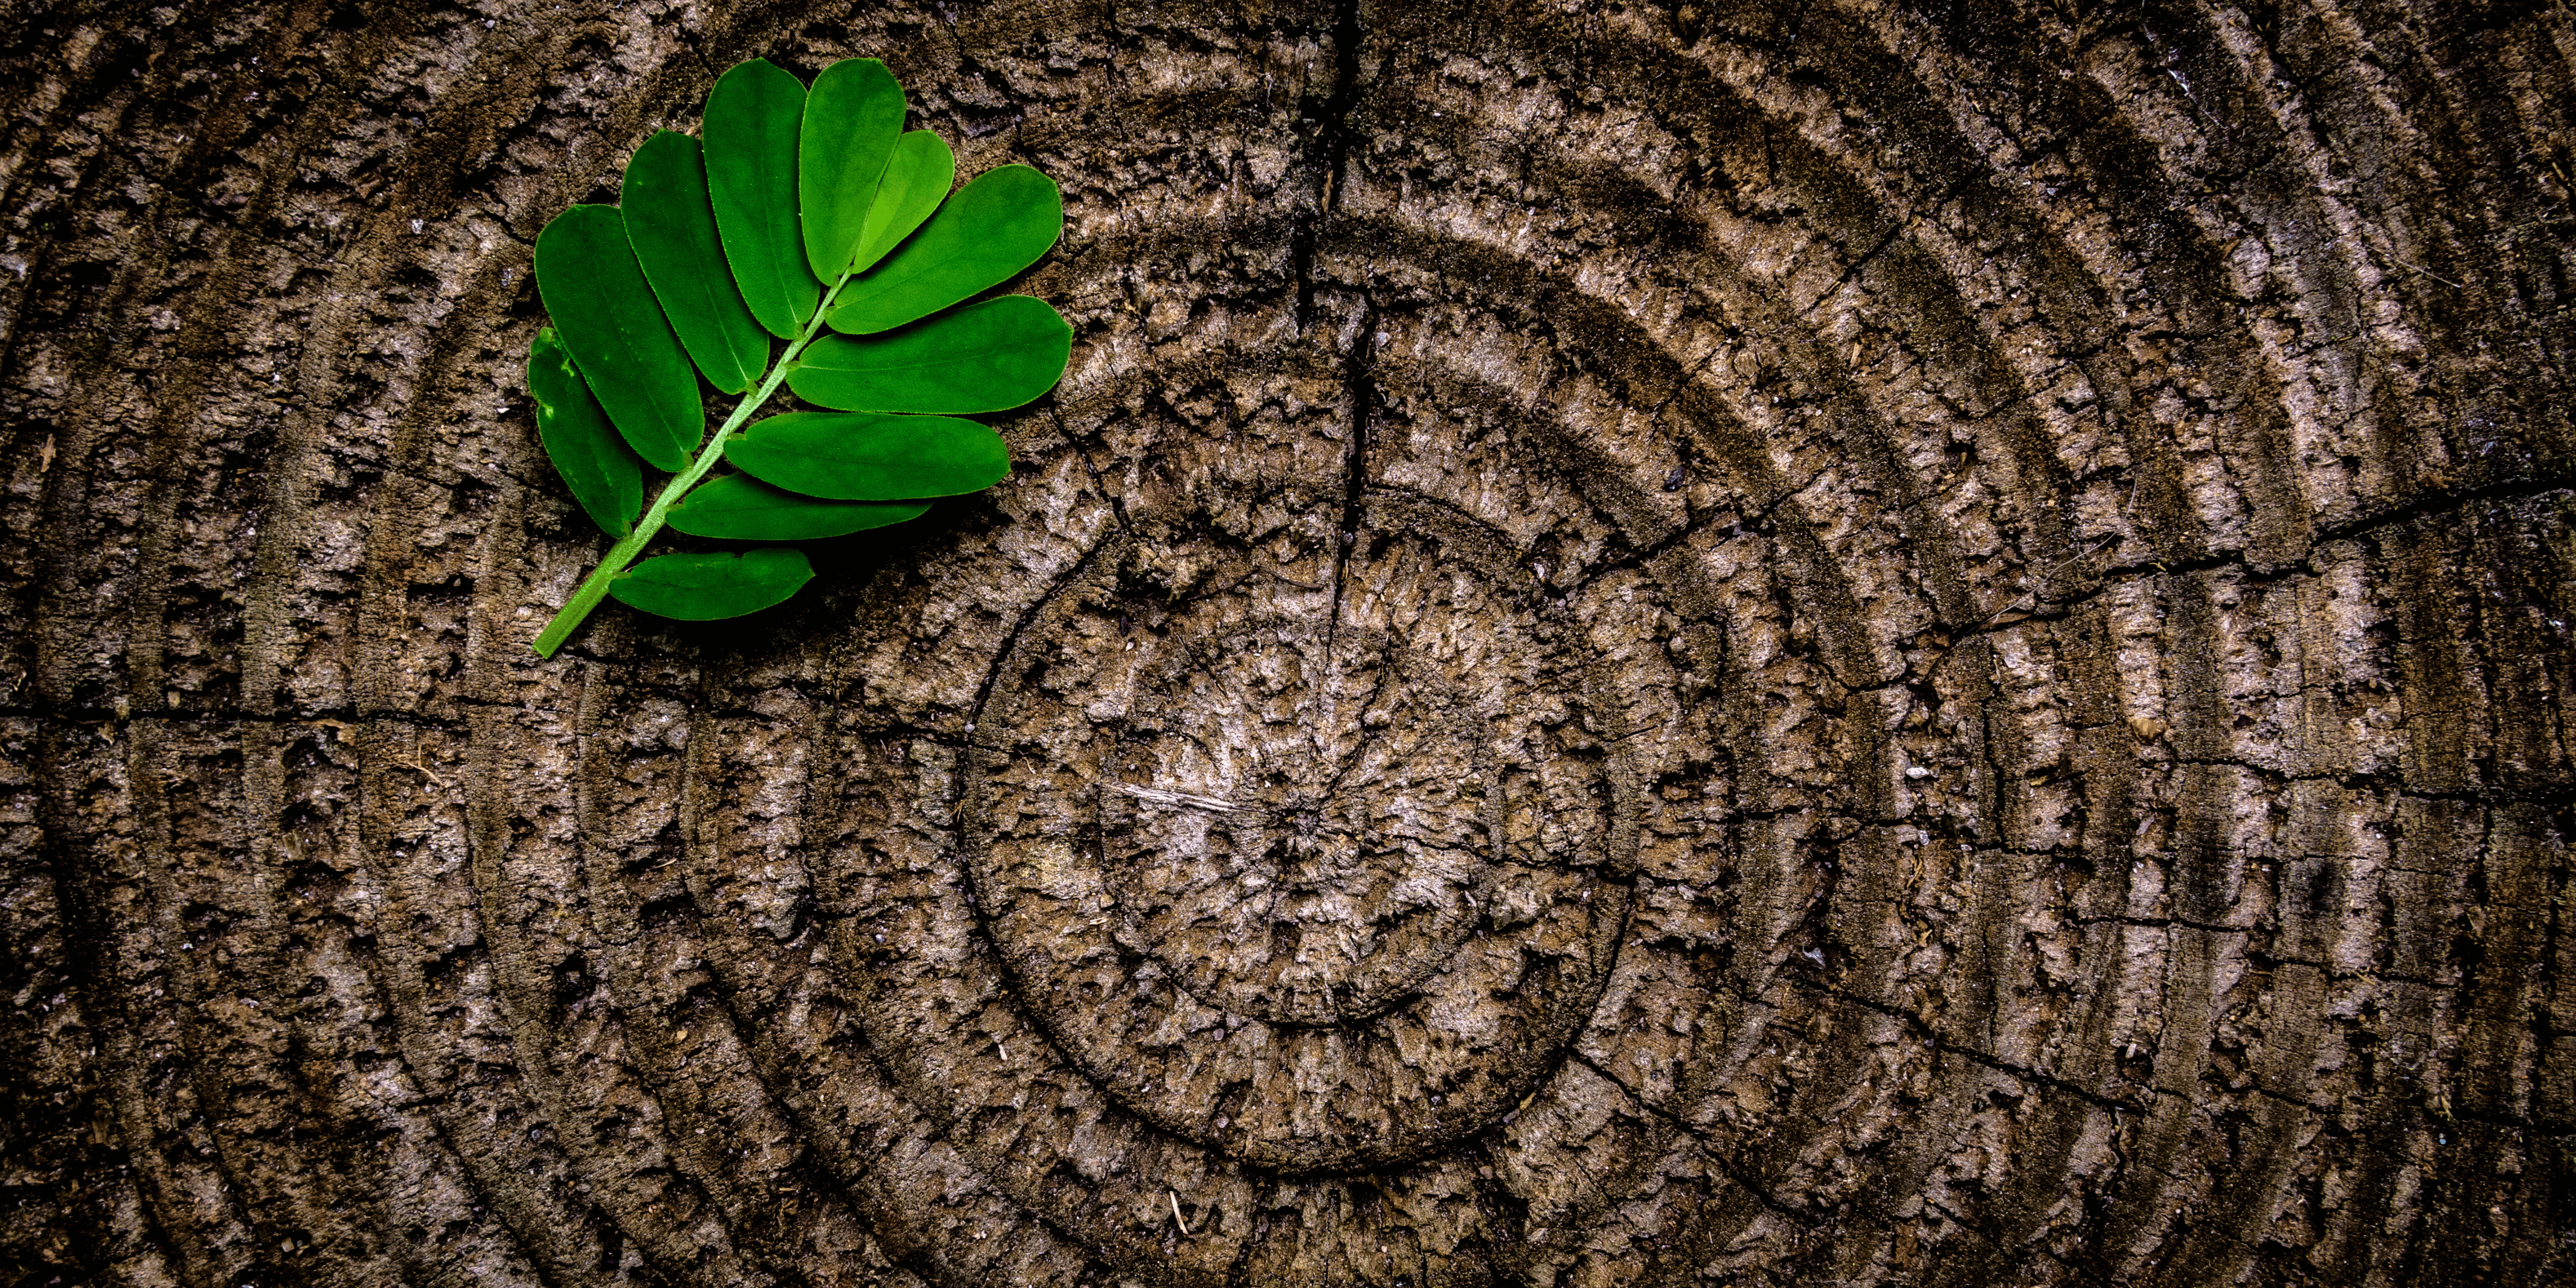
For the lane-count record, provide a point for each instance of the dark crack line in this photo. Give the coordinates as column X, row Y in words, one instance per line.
column 1711, row 1147
column 1912, row 218
column 1333, row 135
column 1923, row 1029
column 1357, row 376
column 1755, row 521
column 327, row 717
column 2049, row 612
column 1080, row 568
column 2442, row 502
column 1117, row 503
column 1363, row 390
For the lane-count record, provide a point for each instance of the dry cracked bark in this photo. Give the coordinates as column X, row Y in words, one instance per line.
column 1735, row 643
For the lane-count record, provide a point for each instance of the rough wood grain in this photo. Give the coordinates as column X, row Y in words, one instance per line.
column 1835, row 643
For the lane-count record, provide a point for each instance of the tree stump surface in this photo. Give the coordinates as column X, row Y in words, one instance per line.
column 1836, row 643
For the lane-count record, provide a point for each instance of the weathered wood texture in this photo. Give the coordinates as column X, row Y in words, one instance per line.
column 1824, row 644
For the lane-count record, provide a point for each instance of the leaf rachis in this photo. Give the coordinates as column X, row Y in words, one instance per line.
column 595, row 587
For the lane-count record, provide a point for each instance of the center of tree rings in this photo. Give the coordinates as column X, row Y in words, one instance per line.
column 1312, row 861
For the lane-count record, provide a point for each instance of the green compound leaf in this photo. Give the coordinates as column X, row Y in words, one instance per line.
column 867, row 456
column 738, row 507
column 793, row 199
column 989, row 357
column 703, row 588
column 753, row 118
column 595, row 463
column 851, row 123
column 605, row 313
column 991, row 229
column 917, row 178
column 672, row 226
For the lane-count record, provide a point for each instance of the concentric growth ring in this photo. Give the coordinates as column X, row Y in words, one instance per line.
column 1645, row 646
column 1325, row 801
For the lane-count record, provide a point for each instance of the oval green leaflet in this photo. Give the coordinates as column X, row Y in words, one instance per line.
column 671, row 223
column 983, row 236
column 739, row 507
column 862, row 456
column 720, row 269
column 702, row 588
column 595, row 463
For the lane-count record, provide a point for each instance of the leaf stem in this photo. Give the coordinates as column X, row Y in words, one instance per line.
column 595, row 587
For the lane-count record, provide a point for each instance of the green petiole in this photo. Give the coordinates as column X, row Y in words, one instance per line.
column 594, row 588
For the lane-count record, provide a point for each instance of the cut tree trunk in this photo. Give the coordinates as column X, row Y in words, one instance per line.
column 1835, row 643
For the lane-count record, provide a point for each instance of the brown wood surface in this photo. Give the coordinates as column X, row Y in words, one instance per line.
column 1837, row 643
